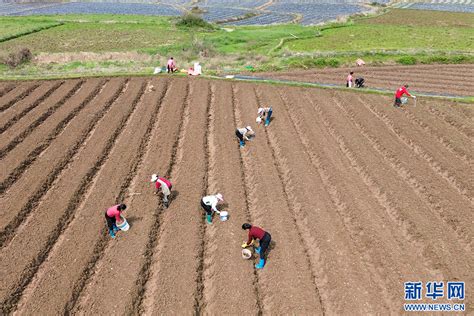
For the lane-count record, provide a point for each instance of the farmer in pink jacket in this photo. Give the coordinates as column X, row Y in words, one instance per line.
column 164, row 185
column 112, row 216
column 171, row 66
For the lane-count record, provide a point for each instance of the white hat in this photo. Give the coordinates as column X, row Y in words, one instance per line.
column 219, row 197
column 154, row 177
column 249, row 128
column 260, row 110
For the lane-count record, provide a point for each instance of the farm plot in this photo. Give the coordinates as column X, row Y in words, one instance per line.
column 265, row 19
column 217, row 14
column 316, row 13
column 353, row 191
column 451, row 7
column 437, row 79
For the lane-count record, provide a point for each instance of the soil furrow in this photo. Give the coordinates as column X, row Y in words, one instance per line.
column 9, row 100
column 11, row 117
column 199, row 303
column 11, row 140
column 6, row 89
column 64, row 239
column 421, row 180
column 222, row 262
column 47, row 226
column 168, row 138
column 441, row 248
column 173, row 283
column 443, row 162
column 451, row 209
column 246, row 180
column 287, row 271
column 453, row 119
column 457, row 143
column 352, row 218
column 21, row 157
column 101, row 244
column 14, row 217
column 294, row 207
column 93, row 299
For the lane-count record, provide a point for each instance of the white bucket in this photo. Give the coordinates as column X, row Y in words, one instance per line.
column 246, row 254
column 404, row 100
column 224, row 216
column 124, row 226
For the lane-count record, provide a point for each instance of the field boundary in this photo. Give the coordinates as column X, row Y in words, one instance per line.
column 340, row 87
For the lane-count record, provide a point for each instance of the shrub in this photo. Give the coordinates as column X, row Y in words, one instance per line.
column 333, row 62
column 190, row 20
column 15, row 59
column 407, row 60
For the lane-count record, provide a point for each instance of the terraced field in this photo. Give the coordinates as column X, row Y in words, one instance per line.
column 455, row 80
column 359, row 197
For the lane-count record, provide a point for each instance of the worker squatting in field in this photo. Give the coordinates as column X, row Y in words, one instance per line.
column 264, row 239
column 209, row 204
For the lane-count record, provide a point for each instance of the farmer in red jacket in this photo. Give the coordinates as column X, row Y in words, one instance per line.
column 164, row 185
column 399, row 93
column 112, row 216
column 264, row 241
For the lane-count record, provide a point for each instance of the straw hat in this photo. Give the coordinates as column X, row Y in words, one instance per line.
column 219, row 197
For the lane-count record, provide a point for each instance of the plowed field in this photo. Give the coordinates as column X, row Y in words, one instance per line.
column 359, row 197
column 455, row 80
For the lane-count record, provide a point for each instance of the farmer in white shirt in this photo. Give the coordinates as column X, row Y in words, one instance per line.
column 264, row 113
column 242, row 133
column 209, row 204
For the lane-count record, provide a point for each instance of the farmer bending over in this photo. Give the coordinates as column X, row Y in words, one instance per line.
column 264, row 113
column 264, row 241
column 113, row 215
column 399, row 93
column 209, row 204
column 164, row 185
column 242, row 133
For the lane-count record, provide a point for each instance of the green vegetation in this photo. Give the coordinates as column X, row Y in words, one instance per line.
column 12, row 29
column 193, row 21
column 395, row 36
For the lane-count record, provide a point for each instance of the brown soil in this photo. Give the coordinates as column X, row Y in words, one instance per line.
column 359, row 197
column 439, row 79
